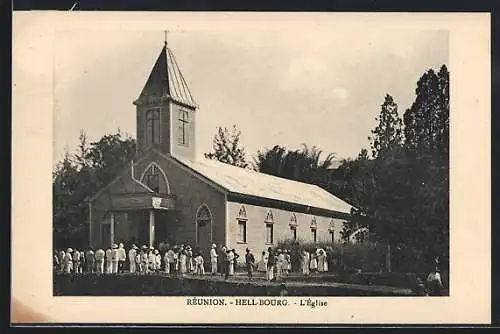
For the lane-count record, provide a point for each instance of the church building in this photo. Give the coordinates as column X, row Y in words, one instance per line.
column 169, row 194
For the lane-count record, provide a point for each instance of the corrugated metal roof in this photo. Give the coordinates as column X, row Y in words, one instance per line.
column 166, row 80
column 250, row 182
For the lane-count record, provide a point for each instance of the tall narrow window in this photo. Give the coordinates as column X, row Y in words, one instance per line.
column 314, row 234
column 182, row 134
column 153, row 126
column 332, row 237
column 242, row 227
column 293, row 226
column 242, row 224
column 269, row 227
column 314, row 230
column 269, row 233
column 293, row 230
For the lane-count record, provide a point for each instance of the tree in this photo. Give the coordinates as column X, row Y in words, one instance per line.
column 388, row 132
column 304, row 164
column 81, row 175
column 427, row 120
column 226, row 147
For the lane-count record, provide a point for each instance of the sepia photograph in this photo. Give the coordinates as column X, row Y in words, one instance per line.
column 228, row 166
column 326, row 172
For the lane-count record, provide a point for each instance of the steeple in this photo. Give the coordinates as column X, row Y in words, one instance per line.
column 166, row 109
column 166, row 80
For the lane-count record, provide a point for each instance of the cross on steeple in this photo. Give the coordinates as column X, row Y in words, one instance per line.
column 166, row 37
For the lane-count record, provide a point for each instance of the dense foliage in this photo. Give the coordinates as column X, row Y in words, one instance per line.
column 227, row 148
column 78, row 177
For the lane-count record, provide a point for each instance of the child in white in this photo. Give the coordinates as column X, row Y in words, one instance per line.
column 200, row 269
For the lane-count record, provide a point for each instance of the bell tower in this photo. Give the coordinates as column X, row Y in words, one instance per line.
column 166, row 110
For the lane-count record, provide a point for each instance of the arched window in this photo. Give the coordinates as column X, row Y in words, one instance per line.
column 293, row 226
column 155, row 179
column 204, row 217
column 242, row 224
column 314, row 229
column 269, row 227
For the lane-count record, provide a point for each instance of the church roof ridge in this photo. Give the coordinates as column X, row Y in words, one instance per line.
column 251, row 182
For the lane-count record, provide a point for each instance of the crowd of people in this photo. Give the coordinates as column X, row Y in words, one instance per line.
column 180, row 260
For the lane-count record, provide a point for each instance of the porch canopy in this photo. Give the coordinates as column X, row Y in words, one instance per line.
column 153, row 203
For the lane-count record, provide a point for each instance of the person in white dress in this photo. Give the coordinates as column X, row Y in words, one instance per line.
column 230, row 257
column 305, row 259
column 199, row 261
column 213, row 259
column 280, row 263
column 68, row 261
column 109, row 261
column 131, row 259
column 122, row 257
column 76, row 261
column 313, row 263
column 138, row 261
column 99, row 259
column 151, row 260
column 182, row 262
column 61, row 256
column 157, row 261
column 320, row 253
column 261, row 267
column 114, row 259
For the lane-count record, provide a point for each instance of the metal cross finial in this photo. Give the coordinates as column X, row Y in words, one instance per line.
column 166, row 37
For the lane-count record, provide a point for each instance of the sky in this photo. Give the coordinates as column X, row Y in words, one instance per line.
column 279, row 87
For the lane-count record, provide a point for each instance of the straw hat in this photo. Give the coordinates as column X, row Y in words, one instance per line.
column 134, row 246
column 214, row 245
column 121, row 245
column 69, row 250
column 114, row 246
column 151, row 247
column 156, row 251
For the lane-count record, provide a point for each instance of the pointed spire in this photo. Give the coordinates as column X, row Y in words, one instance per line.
column 166, row 80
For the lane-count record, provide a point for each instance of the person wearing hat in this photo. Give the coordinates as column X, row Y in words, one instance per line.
column 280, row 264
column 76, row 261
column 99, row 259
column 144, row 259
column 199, row 264
column 182, row 262
column 213, row 259
column 114, row 259
column 151, row 260
column 62, row 255
column 158, row 261
column 230, row 260
column 271, row 263
column 131, row 259
column 249, row 262
column 189, row 260
column 68, row 261
column 109, row 261
column 122, row 257
column 170, row 261
column 304, row 262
